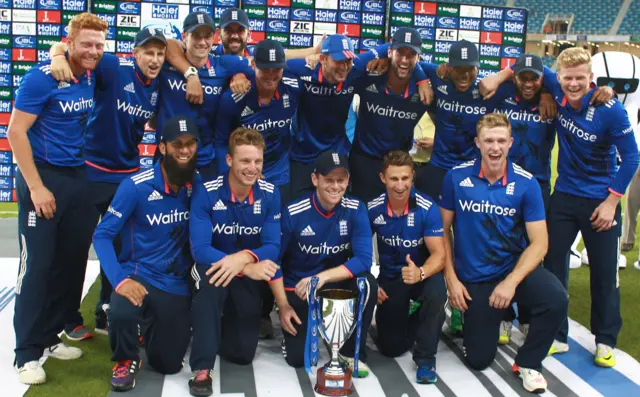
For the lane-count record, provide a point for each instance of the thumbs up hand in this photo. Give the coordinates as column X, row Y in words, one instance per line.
column 411, row 272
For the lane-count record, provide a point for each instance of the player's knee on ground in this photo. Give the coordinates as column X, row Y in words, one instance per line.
column 391, row 345
column 480, row 360
column 165, row 364
column 240, row 354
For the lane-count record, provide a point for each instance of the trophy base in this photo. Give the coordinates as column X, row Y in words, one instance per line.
column 332, row 385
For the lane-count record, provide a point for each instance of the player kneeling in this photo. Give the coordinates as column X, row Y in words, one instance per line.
column 408, row 226
column 500, row 235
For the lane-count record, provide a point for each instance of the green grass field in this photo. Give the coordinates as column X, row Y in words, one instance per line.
column 8, row 210
column 89, row 375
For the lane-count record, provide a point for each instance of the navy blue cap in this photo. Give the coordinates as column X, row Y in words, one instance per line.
column 339, row 47
column 234, row 15
column 148, row 34
column 178, row 126
column 269, row 54
column 529, row 63
column 407, row 37
column 463, row 53
column 329, row 161
column 196, row 19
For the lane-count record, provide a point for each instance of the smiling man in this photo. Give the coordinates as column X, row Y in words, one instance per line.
column 495, row 202
column 234, row 32
column 55, row 219
column 126, row 99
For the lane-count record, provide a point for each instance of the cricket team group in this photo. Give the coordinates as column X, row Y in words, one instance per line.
column 256, row 189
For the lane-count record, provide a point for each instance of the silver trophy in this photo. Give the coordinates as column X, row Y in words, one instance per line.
column 337, row 319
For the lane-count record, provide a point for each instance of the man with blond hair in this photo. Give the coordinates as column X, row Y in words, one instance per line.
column 493, row 200
column 55, row 219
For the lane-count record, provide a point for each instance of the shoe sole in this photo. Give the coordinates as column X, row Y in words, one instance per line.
column 84, row 337
column 198, row 393
column 503, row 342
column 427, row 382
column 101, row 331
column 34, row 383
column 535, row 391
column 604, row 364
column 120, row 389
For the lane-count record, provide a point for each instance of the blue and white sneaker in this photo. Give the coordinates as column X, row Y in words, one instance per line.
column 426, row 375
column 124, row 373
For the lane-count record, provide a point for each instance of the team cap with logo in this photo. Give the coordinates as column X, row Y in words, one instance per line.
column 234, row 15
column 329, row 161
column 196, row 19
column 269, row 54
column 339, row 47
column 529, row 63
column 147, row 34
column 463, row 53
column 179, row 126
column 407, row 37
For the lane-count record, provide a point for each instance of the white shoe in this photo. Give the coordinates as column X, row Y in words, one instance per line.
column 505, row 332
column 524, row 328
column 62, row 351
column 32, row 373
column 363, row 369
column 532, row 380
column 558, row 348
column 574, row 260
column 585, row 257
column 622, row 262
column 636, row 265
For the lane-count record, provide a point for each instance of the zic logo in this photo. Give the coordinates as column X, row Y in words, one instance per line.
column 278, row 26
column 302, row 14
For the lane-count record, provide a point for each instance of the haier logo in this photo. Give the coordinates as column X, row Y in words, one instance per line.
column 257, row 25
column 5, row 67
column 369, row 18
column 181, row 85
column 234, row 228
column 49, row 4
column 24, row 4
column 443, row 47
column 373, row 6
column 424, row 21
column 278, row 26
column 486, row 207
column 349, row 17
column 514, row 27
column 326, row 16
column 301, row 40
column 5, row 28
column 166, row 219
column 350, row 5
column 492, row 13
column 76, row 106
column 511, row 52
column 24, row 42
column 324, row 249
column 5, row 169
column 279, row 13
column 447, row 22
column 5, row 196
column 469, row 24
column 302, row 14
column 457, row 107
column 110, row 19
column 492, row 26
column 47, row 29
column 74, row 5
column 515, row 15
column 397, row 241
column 389, row 111
column 164, row 11
column 402, row 6
column 125, row 46
column 5, row 106
column 129, row 8
column 43, row 55
column 488, row 50
column 575, row 130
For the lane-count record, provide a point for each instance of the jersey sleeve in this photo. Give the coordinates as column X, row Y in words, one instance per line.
column 361, row 62
column 432, row 227
column 429, row 69
column 447, row 194
column 107, row 69
column 550, row 82
column 361, row 243
column 286, row 229
column 298, row 67
column 227, row 120
column 236, row 64
column 622, row 136
column 34, row 92
column 270, row 234
column 120, row 210
column 532, row 203
column 200, row 228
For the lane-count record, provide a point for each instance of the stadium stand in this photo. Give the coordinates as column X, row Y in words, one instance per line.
column 631, row 22
column 595, row 17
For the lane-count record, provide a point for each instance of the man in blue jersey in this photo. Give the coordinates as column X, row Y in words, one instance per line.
column 126, row 99
column 205, row 69
column 46, row 133
column 235, row 237
column 500, row 234
column 151, row 212
column 390, row 107
column 234, row 32
column 408, row 226
column 324, row 235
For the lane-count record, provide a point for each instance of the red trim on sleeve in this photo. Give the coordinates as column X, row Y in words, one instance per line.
column 276, row 279
column 290, row 289
column 253, row 255
column 347, row 269
column 96, row 166
column 615, row 193
column 122, row 282
column 422, row 81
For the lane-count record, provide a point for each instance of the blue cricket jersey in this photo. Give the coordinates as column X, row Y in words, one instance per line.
column 386, row 119
column 457, row 114
column 319, row 123
column 153, row 223
column 588, row 140
column 63, row 109
column 219, row 51
column 214, row 76
column 221, row 225
column 124, row 101
column 401, row 235
column 533, row 138
column 489, row 225
column 273, row 121
column 314, row 240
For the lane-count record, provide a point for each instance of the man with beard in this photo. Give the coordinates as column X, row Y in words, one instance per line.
column 151, row 212
column 494, row 201
column 389, row 110
column 408, row 227
column 196, row 65
column 324, row 235
column 235, row 237
column 55, row 219
column 126, row 99
column 234, row 32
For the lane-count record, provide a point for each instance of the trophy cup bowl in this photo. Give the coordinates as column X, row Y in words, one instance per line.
column 337, row 318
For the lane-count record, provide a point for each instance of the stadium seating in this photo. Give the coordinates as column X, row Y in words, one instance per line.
column 595, row 17
column 631, row 22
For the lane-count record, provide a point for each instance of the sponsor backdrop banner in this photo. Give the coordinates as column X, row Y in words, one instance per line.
column 499, row 32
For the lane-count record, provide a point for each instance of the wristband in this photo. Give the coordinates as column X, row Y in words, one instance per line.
column 421, row 274
column 58, row 55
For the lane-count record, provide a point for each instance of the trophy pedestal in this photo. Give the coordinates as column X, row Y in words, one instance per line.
column 333, row 385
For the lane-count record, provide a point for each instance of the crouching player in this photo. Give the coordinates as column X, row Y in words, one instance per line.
column 151, row 211
column 500, row 235
column 408, row 226
column 324, row 235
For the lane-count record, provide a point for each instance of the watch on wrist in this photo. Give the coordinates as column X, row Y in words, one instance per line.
column 191, row 71
column 421, row 274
